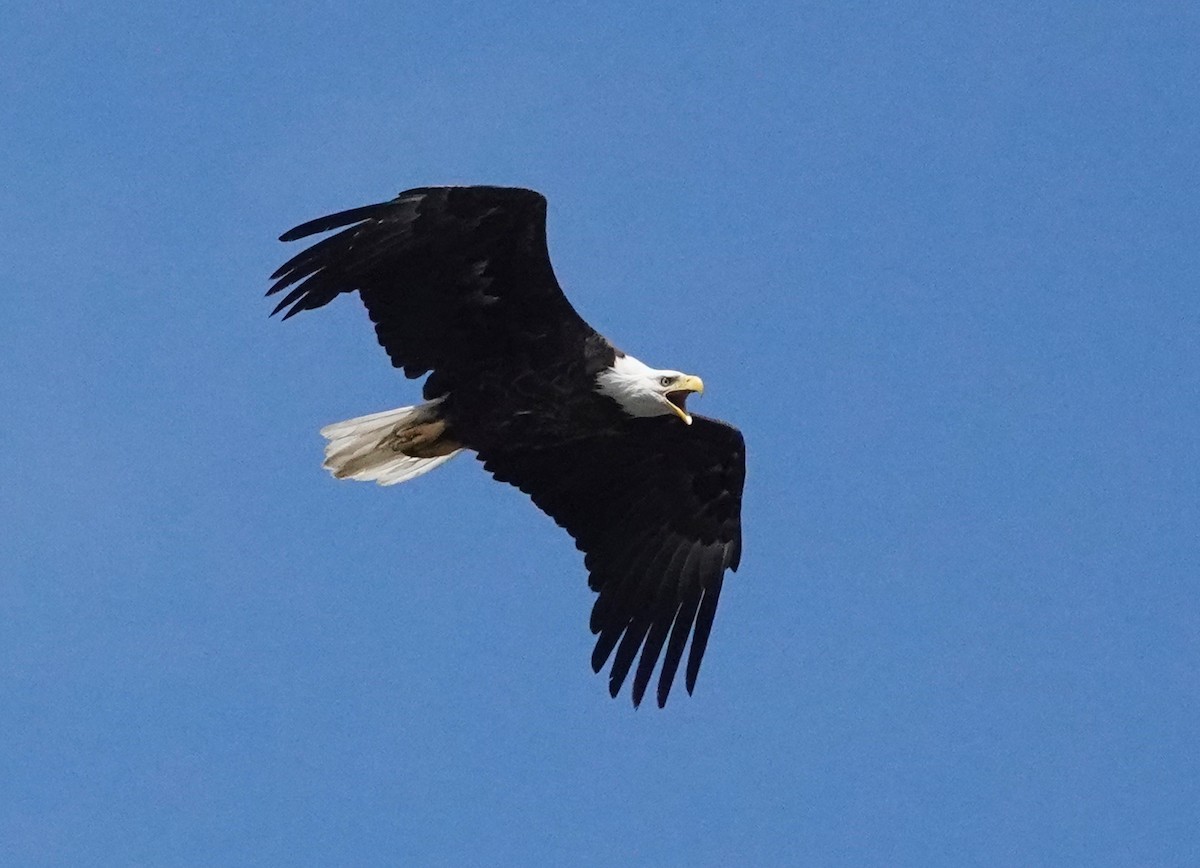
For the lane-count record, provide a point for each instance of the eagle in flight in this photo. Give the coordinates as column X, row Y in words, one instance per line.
column 458, row 283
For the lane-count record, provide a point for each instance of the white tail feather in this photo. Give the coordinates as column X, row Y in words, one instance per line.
column 361, row 448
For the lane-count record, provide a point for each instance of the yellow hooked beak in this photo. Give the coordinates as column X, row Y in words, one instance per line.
column 680, row 389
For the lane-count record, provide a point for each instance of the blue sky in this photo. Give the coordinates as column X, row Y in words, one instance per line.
column 938, row 261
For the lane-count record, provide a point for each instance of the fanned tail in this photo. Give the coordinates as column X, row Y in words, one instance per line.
column 389, row 447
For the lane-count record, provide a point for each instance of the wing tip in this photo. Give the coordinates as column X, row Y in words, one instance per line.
column 335, row 221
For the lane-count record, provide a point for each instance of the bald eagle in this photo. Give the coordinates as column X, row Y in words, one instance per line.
column 458, row 283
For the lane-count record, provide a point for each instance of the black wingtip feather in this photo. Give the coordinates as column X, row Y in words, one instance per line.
column 605, row 643
column 296, row 295
column 652, row 650
column 704, row 622
column 684, row 619
column 334, row 221
column 635, row 634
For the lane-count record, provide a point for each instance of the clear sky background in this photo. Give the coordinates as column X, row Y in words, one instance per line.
column 939, row 261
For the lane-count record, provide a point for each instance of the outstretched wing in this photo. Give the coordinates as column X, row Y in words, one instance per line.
column 456, row 279
column 656, row 508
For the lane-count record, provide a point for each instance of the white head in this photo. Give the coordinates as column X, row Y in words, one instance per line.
column 645, row 391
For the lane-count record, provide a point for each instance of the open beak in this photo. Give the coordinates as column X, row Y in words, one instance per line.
column 677, row 397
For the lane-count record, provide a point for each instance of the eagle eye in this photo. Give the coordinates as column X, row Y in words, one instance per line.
column 666, row 381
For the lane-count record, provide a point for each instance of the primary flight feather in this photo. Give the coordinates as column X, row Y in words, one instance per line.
column 459, row 285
